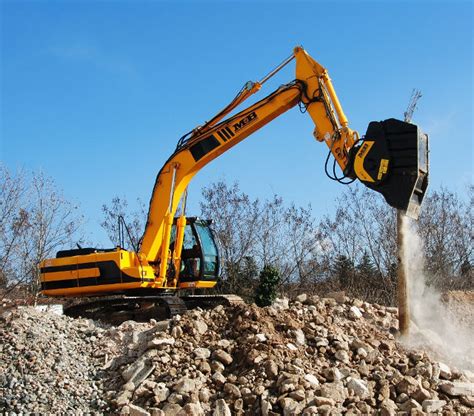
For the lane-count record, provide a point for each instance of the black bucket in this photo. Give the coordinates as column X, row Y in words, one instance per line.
column 394, row 162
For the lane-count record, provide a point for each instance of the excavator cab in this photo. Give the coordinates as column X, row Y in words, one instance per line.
column 200, row 256
column 393, row 160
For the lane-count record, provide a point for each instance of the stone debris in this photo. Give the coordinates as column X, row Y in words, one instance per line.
column 310, row 356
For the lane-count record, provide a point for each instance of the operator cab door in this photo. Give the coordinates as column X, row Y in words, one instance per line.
column 199, row 257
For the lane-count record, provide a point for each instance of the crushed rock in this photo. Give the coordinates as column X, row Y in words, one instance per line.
column 309, row 356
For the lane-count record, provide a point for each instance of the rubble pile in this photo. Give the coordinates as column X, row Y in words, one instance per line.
column 47, row 364
column 307, row 356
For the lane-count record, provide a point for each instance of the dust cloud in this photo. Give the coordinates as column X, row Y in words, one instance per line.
column 434, row 325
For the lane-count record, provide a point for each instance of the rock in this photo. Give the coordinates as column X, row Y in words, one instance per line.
column 339, row 297
column 335, row 391
column 175, row 398
column 232, row 390
column 261, row 337
column 217, row 366
column 421, row 395
column 291, row 347
column 308, row 359
column 191, row 409
column 408, row 385
column 239, row 405
column 177, row 332
column 171, row 409
column 271, row 369
column 302, row 298
column 161, row 392
column 139, row 371
column 132, row 369
column 444, row 371
column 332, row 374
column 204, row 395
column 289, row 406
column 160, row 342
column 359, row 387
column 431, row 406
column 202, row 353
column 467, row 401
column 184, row 385
column 224, row 343
column 219, row 379
column 137, row 411
column 310, row 410
column 201, row 327
column 402, row 398
column 298, row 395
column 299, row 337
column 322, row 401
column 355, row 313
column 265, row 407
column 129, row 387
column 221, row 408
column 222, row 357
column 457, row 388
column 342, row 355
column 410, row 405
column 388, row 408
column 204, row 367
column 311, row 379
column 321, row 342
column 281, row 304
column 123, row 398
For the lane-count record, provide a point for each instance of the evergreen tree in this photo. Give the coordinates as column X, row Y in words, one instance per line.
column 365, row 268
column 343, row 269
column 266, row 291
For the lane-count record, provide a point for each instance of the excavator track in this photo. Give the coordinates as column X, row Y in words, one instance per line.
column 211, row 301
column 118, row 309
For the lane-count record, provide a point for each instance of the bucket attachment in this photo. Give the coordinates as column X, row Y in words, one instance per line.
column 393, row 160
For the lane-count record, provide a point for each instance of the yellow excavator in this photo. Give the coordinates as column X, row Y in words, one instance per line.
column 178, row 253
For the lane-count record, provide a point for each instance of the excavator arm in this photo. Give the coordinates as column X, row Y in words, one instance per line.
column 376, row 160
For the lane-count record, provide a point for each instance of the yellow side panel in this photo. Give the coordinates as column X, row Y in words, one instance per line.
column 86, row 290
column 201, row 284
column 71, row 274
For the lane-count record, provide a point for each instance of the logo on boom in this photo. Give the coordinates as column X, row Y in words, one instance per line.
column 248, row 119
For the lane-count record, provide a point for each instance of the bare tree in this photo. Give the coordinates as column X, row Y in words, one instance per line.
column 236, row 224
column 268, row 232
column 51, row 223
column 118, row 211
column 36, row 222
column 446, row 229
column 12, row 219
column 362, row 231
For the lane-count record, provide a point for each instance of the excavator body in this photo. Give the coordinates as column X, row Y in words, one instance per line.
column 94, row 271
column 179, row 254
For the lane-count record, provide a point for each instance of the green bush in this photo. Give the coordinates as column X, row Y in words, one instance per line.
column 266, row 291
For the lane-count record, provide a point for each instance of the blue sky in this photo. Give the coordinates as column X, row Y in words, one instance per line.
column 97, row 93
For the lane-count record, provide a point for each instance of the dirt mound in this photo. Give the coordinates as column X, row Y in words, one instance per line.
column 308, row 356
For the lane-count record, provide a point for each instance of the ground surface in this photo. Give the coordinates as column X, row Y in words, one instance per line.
column 307, row 356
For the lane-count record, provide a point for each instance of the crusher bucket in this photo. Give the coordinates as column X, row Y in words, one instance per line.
column 393, row 160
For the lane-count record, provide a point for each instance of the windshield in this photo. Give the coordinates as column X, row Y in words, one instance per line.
column 208, row 246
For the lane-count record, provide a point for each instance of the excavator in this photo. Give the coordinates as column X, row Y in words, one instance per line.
column 178, row 254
